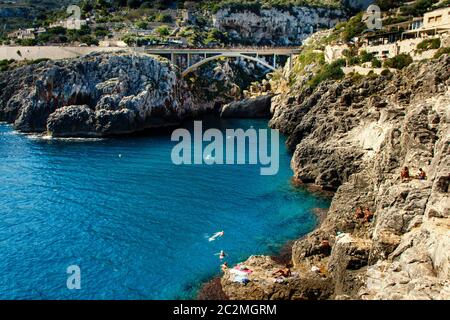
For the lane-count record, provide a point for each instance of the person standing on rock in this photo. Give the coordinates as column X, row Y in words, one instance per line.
column 224, row 267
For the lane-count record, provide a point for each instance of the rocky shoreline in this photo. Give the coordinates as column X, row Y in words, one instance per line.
column 114, row 93
column 354, row 136
column 351, row 137
column 100, row 94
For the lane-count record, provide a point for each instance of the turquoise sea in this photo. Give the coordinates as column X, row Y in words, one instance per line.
column 136, row 224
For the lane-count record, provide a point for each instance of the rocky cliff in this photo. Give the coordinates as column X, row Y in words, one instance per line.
column 223, row 81
column 95, row 95
column 354, row 136
column 274, row 26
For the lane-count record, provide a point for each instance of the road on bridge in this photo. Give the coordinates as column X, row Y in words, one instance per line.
column 209, row 54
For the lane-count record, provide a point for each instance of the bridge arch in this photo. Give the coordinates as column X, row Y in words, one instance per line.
column 226, row 55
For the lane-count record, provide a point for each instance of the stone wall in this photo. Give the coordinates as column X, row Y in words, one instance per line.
column 363, row 71
column 334, row 52
column 383, row 50
column 49, row 52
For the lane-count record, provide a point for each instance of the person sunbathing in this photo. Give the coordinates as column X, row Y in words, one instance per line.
column 325, row 247
column 285, row 272
column 359, row 213
column 404, row 174
column 422, row 175
column 368, row 215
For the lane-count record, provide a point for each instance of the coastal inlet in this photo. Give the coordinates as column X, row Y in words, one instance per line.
column 136, row 224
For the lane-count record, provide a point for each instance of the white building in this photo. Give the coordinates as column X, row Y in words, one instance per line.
column 23, row 34
column 435, row 22
column 69, row 24
column 403, row 37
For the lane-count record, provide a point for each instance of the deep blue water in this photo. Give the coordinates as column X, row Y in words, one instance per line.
column 137, row 225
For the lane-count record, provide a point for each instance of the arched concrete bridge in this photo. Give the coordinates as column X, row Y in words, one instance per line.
column 197, row 57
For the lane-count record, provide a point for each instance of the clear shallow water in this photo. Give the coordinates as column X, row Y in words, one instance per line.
column 137, row 225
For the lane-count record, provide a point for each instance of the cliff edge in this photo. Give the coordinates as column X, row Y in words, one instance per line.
column 98, row 94
column 355, row 136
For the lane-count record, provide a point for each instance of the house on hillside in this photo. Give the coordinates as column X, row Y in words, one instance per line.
column 435, row 22
column 69, row 24
column 23, row 34
column 403, row 37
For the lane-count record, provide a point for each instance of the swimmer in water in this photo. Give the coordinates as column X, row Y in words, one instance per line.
column 221, row 254
column 216, row 235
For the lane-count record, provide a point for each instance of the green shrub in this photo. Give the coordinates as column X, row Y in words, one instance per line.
column 398, row 62
column 418, row 8
column 142, row 24
column 365, row 56
column 27, row 42
column 441, row 51
column 393, row 20
column 356, row 77
column 388, row 4
column 376, row 63
column 36, row 61
column 215, row 35
column 429, row 44
column 89, row 40
column 386, row 73
column 6, row 64
column 353, row 27
column 238, row 5
column 330, row 71
column 163, row 31
column 101, row 33
column 351, row 61
column 56, row 31
column 442, row 4
column 163, row 17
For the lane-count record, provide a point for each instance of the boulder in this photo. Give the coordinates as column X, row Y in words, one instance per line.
column 72, row 121
column 258, row 107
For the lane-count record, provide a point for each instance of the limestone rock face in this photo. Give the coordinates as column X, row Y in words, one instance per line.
column 72, row 121
column 355, row 137
column 258, row 107
column 274, row 26
column 95, row 95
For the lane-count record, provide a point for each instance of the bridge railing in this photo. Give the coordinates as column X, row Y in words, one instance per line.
column 244, row 48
